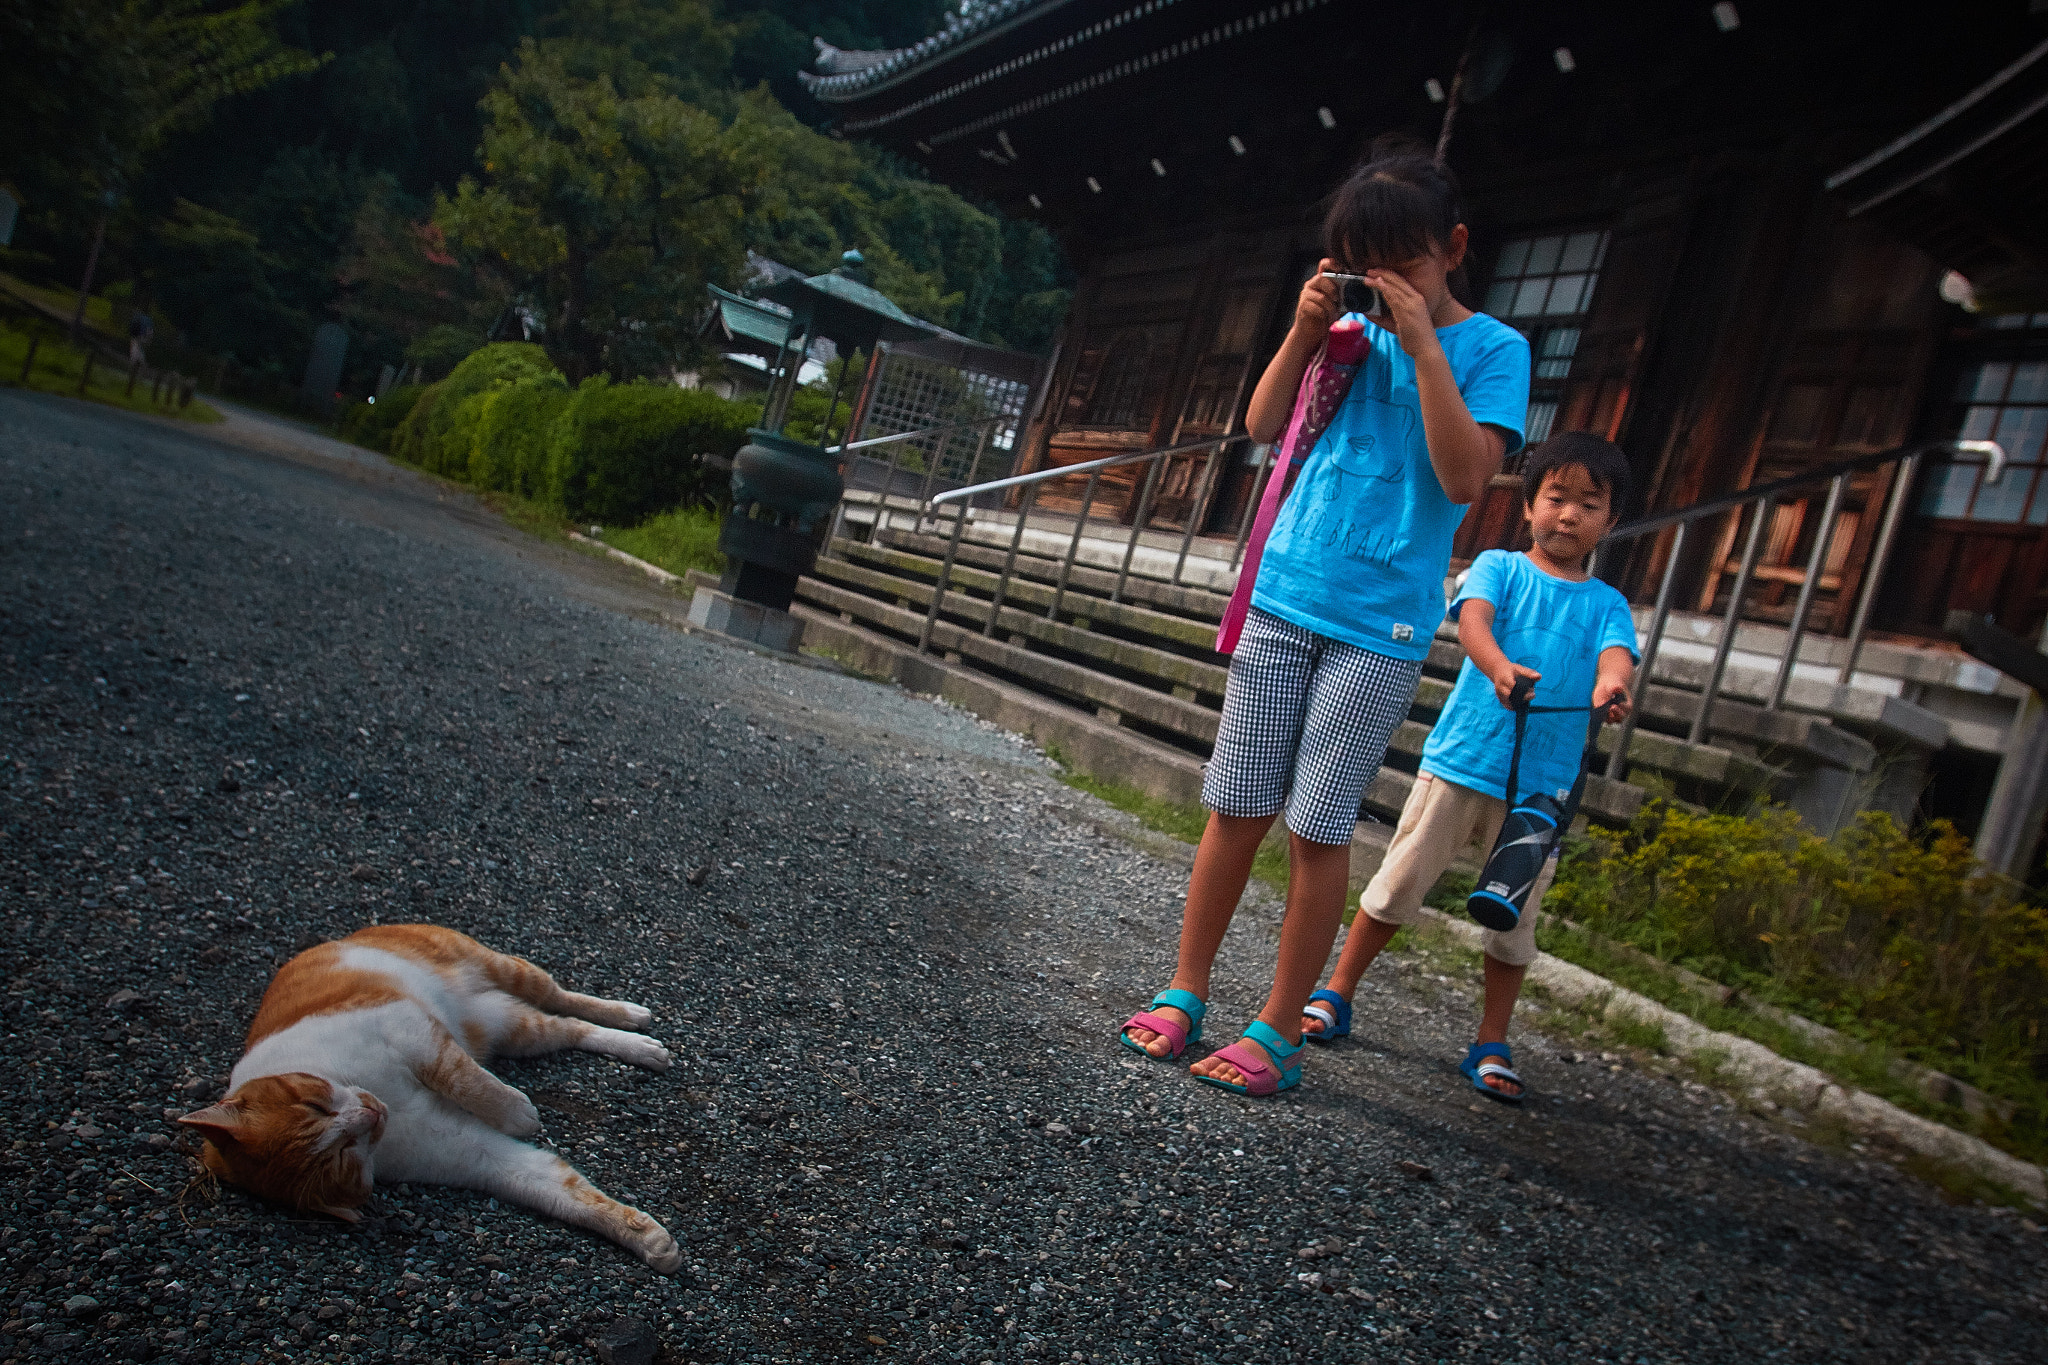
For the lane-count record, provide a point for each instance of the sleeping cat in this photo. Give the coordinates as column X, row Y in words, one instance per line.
column 366, row 1062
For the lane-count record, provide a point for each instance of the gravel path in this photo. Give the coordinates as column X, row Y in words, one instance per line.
column 249, row 701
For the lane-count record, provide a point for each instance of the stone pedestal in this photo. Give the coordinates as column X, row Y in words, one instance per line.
column 744, row 620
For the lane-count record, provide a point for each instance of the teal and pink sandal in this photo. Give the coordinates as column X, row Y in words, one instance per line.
column 1268, row 1068
column 1177, row 1034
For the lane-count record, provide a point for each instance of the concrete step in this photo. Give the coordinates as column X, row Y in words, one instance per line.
column 1165, row 718
column 1195, row 638
column 1196, row 603
column 1190, row 679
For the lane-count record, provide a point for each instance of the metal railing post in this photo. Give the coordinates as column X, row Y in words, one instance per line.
column 1617, row 763
column 1059, row 593
column 1880, row 555
column 1251, row 507
column 995, row 607
column 1137, row 526
column 1824, row 533
column 931, row 616
column 931, row 471
column 1198, row 506
column 1750, row 549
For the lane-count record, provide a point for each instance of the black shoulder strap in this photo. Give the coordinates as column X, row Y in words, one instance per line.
column 1518, row 698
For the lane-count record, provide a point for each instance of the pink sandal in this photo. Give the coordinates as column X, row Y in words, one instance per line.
column 1178, row 1034
column 1268, row 1062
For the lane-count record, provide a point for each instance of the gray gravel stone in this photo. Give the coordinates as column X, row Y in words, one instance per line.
column 890, row 952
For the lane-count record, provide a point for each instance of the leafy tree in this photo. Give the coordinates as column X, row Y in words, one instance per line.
column 405, row 292
column 607, row 211
column 96, row 86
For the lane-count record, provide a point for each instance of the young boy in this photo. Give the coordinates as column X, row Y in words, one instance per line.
column 1540, row 616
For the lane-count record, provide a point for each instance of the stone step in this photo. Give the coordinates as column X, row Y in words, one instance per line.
column 1163, row 669
column 1114, row 700
column 1197, row 603
column 1177, row 721
column 1197, row 638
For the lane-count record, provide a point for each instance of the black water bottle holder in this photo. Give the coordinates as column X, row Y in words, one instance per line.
column 1533, row 826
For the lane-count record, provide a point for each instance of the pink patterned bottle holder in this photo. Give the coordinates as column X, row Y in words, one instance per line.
column 1322, row 392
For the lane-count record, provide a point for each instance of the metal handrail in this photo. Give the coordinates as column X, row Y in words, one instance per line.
column 987, row 425
column 1760, row 500
column 1030, row 482
column 865, row 443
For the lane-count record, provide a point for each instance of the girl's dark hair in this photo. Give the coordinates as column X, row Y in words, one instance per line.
column 1399, row 203
column 1603, row 461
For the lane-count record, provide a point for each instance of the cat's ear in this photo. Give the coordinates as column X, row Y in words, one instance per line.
column 345, row 1215
column 220, row 1122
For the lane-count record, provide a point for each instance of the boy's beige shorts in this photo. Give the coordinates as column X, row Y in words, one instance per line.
column 1439, row 822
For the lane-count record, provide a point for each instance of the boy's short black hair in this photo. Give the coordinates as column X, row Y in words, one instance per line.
column 1602, row 460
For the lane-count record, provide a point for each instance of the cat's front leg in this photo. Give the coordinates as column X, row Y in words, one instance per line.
column 453, row 1074
column 518, row 1174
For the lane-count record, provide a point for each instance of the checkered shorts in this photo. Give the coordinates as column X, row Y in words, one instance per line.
column 1306, row 720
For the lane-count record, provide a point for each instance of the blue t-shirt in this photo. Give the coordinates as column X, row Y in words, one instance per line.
column 1359, row 549
column 1554, row 626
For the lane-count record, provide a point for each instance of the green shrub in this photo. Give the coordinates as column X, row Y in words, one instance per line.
column 510, row 450
column 621, row 452
column 1893, row 939
column 447, row 434
column 408, row 438
column 371, row 424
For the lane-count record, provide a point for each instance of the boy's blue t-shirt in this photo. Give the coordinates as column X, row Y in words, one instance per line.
column 1359, row 549
column 1549, row 624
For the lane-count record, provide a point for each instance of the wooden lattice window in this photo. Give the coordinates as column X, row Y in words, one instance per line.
column 1543, row 287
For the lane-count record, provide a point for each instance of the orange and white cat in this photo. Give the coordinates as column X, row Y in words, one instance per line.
column 366, row 1062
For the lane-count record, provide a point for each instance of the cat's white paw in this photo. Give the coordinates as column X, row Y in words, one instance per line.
column 660, row 1251
column 521, row 1120
column 647, row 1053
column 635, row 1017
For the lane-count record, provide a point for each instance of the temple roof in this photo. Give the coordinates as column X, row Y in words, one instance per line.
column 850, row 75
column 1120, row 121
column 1969, row 186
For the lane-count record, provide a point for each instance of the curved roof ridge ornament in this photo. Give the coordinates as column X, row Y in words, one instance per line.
column 962, row 32
column 839, row 61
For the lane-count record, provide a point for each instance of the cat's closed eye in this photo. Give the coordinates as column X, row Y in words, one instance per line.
column 320, row 1109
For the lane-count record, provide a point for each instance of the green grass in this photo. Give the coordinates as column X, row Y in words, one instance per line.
column 1184, row 821
column 1866, row 1066
column 99, row 310
column 679, row 540
column 56, row 370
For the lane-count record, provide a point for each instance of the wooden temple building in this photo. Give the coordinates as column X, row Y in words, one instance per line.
column 1744, row 239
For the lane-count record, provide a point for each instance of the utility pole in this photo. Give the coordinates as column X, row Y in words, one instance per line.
column 92, row 261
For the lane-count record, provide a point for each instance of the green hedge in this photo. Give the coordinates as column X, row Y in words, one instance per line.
column 621, row 452
column 509, row 451
column 505, row 419
column 441, row 437
column 410, row 433
column 371, row 424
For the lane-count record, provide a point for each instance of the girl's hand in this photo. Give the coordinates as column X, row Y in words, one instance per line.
column 1613, row 696
column 1320, row 304
column 1407, row 309
column 1505, row 679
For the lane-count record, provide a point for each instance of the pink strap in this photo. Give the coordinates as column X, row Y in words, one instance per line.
column 1323, row 388
column 1176, row 1034
column 1260, row 1077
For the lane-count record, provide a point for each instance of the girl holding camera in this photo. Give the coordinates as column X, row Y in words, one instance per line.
column 1348, row 594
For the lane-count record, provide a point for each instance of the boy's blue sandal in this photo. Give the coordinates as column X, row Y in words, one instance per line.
column 1335, row 1017
column 1176, row 1034
column 1263, row 1075
column 1477, row 1067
